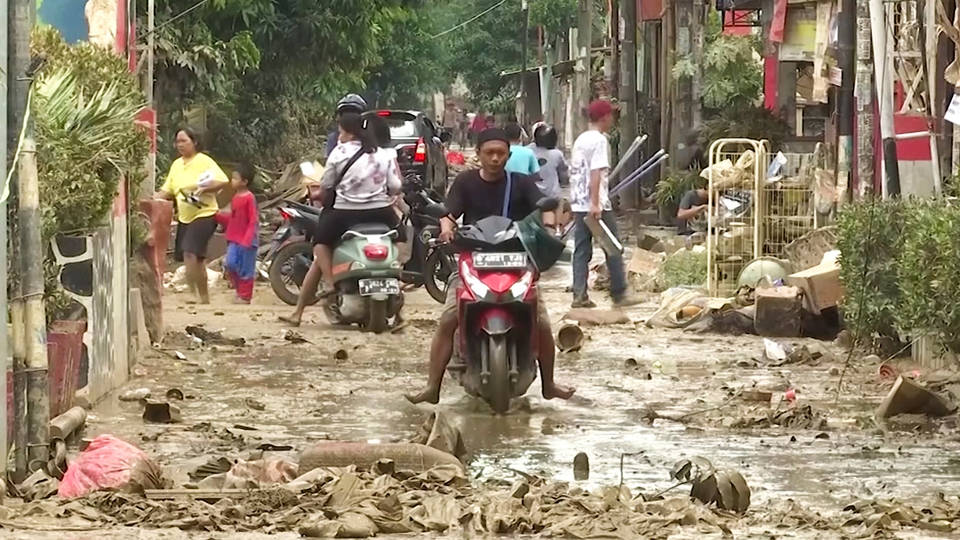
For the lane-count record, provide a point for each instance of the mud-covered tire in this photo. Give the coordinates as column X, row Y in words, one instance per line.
column 499, row 386
column 281, row 280
column 377, row 316
column 436, row 273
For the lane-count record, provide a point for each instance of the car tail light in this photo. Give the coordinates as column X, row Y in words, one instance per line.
column 383, row 113
column 284, row 214
column 420, row 155
column 375, row 252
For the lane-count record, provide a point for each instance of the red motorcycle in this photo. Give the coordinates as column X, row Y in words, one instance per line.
column 496, row 349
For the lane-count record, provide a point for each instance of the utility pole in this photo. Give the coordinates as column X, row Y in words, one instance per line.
column 4, row 343
column 883, row 68
column 581, row 83
column 525, row 13
column 864, row 95
column 846, row 39
column 18, row 26
column 31, row 259
column 628, row 91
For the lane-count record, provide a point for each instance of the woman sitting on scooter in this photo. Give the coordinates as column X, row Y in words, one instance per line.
column 365, row 179
column 364, row 188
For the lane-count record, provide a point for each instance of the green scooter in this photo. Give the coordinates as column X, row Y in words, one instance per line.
column 366, row 275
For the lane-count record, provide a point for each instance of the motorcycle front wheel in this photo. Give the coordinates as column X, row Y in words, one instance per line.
column 287, row 271
column 436, row 273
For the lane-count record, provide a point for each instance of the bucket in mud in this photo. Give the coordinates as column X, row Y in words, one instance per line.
column 569, row 338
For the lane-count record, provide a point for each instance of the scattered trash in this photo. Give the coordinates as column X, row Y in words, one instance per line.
column 756, row 395
column 581, row 466
column 270, row 447
column 213, row 338
column 341, row 354
column 216, row 465
column 569, row 338
column 597, row 317
column 778, row 311
column 438, row 432
column 62, row 426
column 110, row 463
column 408, row 456
column 174, row 393
column 794, row 417
column 134, row 395
column 161, row 412
column 38, row 485
column 774, row 351
column 727, row 488
column 908, row 396
column 254, row 404
column 887, row 371
column 790, row 395
column 251, row 475
column 294, row 337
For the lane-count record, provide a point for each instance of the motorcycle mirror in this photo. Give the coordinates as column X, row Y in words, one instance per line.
column 548, row 204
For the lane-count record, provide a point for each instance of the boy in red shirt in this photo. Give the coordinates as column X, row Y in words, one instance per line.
column 241, row 224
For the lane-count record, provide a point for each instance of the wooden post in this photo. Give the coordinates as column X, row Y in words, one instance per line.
column 581, row 83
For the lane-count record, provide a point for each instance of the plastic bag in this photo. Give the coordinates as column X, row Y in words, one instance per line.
column 109, row 463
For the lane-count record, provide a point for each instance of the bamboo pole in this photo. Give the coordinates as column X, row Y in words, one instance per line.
column 864, row 101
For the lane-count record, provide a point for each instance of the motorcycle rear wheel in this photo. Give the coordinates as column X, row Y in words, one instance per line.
column 498, row 389
column 377, row 316
column 281, row 272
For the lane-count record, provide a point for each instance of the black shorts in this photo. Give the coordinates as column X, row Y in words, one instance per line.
column 334, row 222
column 196, row 235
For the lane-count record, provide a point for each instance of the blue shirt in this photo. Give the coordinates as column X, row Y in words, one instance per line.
column 522, row 160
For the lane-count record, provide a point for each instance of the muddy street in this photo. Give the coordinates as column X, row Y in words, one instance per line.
column 645, row 398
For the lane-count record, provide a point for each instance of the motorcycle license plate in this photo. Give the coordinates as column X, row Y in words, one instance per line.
column 379, row 286
column 492, row 261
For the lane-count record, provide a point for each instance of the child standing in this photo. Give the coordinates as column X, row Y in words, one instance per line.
column 241, row 224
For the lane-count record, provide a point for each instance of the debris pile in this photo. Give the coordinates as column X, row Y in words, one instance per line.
column 350, row 503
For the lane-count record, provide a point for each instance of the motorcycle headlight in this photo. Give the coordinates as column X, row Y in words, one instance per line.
column 477, row 287
column 519, row 289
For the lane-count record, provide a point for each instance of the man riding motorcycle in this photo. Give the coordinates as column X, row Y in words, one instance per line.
column 474, row 195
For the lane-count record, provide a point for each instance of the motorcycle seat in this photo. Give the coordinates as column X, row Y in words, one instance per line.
column 369, row 228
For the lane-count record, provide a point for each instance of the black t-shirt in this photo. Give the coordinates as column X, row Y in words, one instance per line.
column 690, row 199
column 474, row 198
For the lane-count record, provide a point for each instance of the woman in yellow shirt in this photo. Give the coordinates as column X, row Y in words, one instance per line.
column 193, row 181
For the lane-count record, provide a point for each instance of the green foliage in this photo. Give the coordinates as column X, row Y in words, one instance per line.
column 672, row 187
column 870, row 239
column 555, row 16
column 750, row 122
column 685, row 268
column 928, row 273
column 85, row 103
column 484, row 48
column 268, row 73
column 731, row 73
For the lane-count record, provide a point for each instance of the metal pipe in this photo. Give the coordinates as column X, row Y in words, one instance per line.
column 634, row 146
column 639, row 170
column 640, row 173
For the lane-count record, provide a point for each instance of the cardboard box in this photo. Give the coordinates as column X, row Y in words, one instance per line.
column 820, row 285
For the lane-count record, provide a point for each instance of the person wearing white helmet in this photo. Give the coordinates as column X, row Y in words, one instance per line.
column 348, row 103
